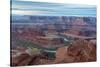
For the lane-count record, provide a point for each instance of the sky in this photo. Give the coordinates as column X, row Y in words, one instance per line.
column 25, row 7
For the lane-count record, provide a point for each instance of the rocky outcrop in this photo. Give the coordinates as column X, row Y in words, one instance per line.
column 79, row 51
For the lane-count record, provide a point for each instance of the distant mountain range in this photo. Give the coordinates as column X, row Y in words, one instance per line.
column 51, row 19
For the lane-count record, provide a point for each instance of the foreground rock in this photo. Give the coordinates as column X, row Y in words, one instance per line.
column 79, row 51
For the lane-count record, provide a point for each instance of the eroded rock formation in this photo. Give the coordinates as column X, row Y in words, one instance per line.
column 79, row 51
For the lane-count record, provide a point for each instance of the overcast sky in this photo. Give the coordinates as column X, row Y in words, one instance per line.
column 25, row 7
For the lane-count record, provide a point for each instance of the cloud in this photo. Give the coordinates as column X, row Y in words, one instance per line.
column 31, row 7
column 22, row 12
column 42, row 8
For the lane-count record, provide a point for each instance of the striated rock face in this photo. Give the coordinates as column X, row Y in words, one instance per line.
column 79, row 51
